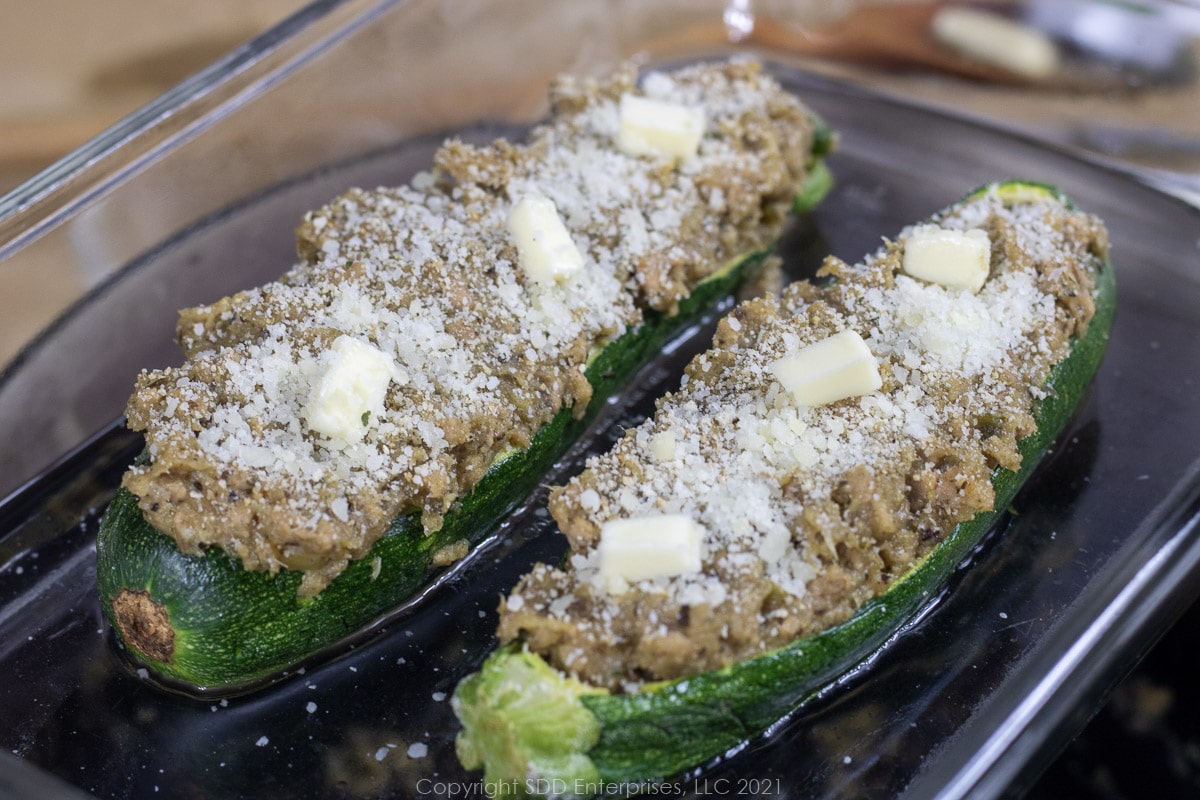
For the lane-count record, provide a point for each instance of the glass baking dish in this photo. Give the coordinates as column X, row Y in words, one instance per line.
column 197, row 195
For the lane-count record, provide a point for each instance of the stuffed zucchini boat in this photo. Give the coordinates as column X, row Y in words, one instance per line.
column 820, row 472
column 335, row 436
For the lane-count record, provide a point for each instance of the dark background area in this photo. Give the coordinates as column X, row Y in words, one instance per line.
column 1144, row 742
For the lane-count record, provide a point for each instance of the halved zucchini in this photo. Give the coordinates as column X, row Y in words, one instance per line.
column 207, row 625
column 599, row 737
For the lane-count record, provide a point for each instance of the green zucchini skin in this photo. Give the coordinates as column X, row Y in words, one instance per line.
column 669, row 727
column 206, row 626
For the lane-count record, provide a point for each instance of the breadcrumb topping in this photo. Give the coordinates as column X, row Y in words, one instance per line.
column 427, row 274
column 810, row 511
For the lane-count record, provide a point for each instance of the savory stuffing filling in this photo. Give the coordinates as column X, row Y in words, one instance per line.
column 807, row 511
column 416, row 341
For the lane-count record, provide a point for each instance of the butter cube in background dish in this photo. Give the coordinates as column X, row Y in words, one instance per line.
column 659, row 128
column 996, row 40
column 544, row 246
column 956, row 259
column 648, row 547
column 350, row 392
column 833, row 369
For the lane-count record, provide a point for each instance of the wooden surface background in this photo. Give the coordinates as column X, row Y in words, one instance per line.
column 71, row 68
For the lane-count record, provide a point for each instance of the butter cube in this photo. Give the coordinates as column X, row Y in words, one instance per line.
column 658, row 128
column 957, row 259
column 348, row 396
column 834, row 368
column 655, row 546
column 544, row 246
column 662, row 446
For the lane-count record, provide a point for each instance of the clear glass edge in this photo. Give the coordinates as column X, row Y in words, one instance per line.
column 55, row 194
column 1141, row 597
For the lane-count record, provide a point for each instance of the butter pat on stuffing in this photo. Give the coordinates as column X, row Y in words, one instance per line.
column 662, row 446
column 956, row 259
column 655, row 546
column 659, row 128
column 544, row 246
column 833, row 369
column 350, row 392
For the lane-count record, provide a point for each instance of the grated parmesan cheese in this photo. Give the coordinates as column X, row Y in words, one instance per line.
column 427, row 275
column 777, row 486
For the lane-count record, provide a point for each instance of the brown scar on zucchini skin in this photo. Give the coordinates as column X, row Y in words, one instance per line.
column 144, row 624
